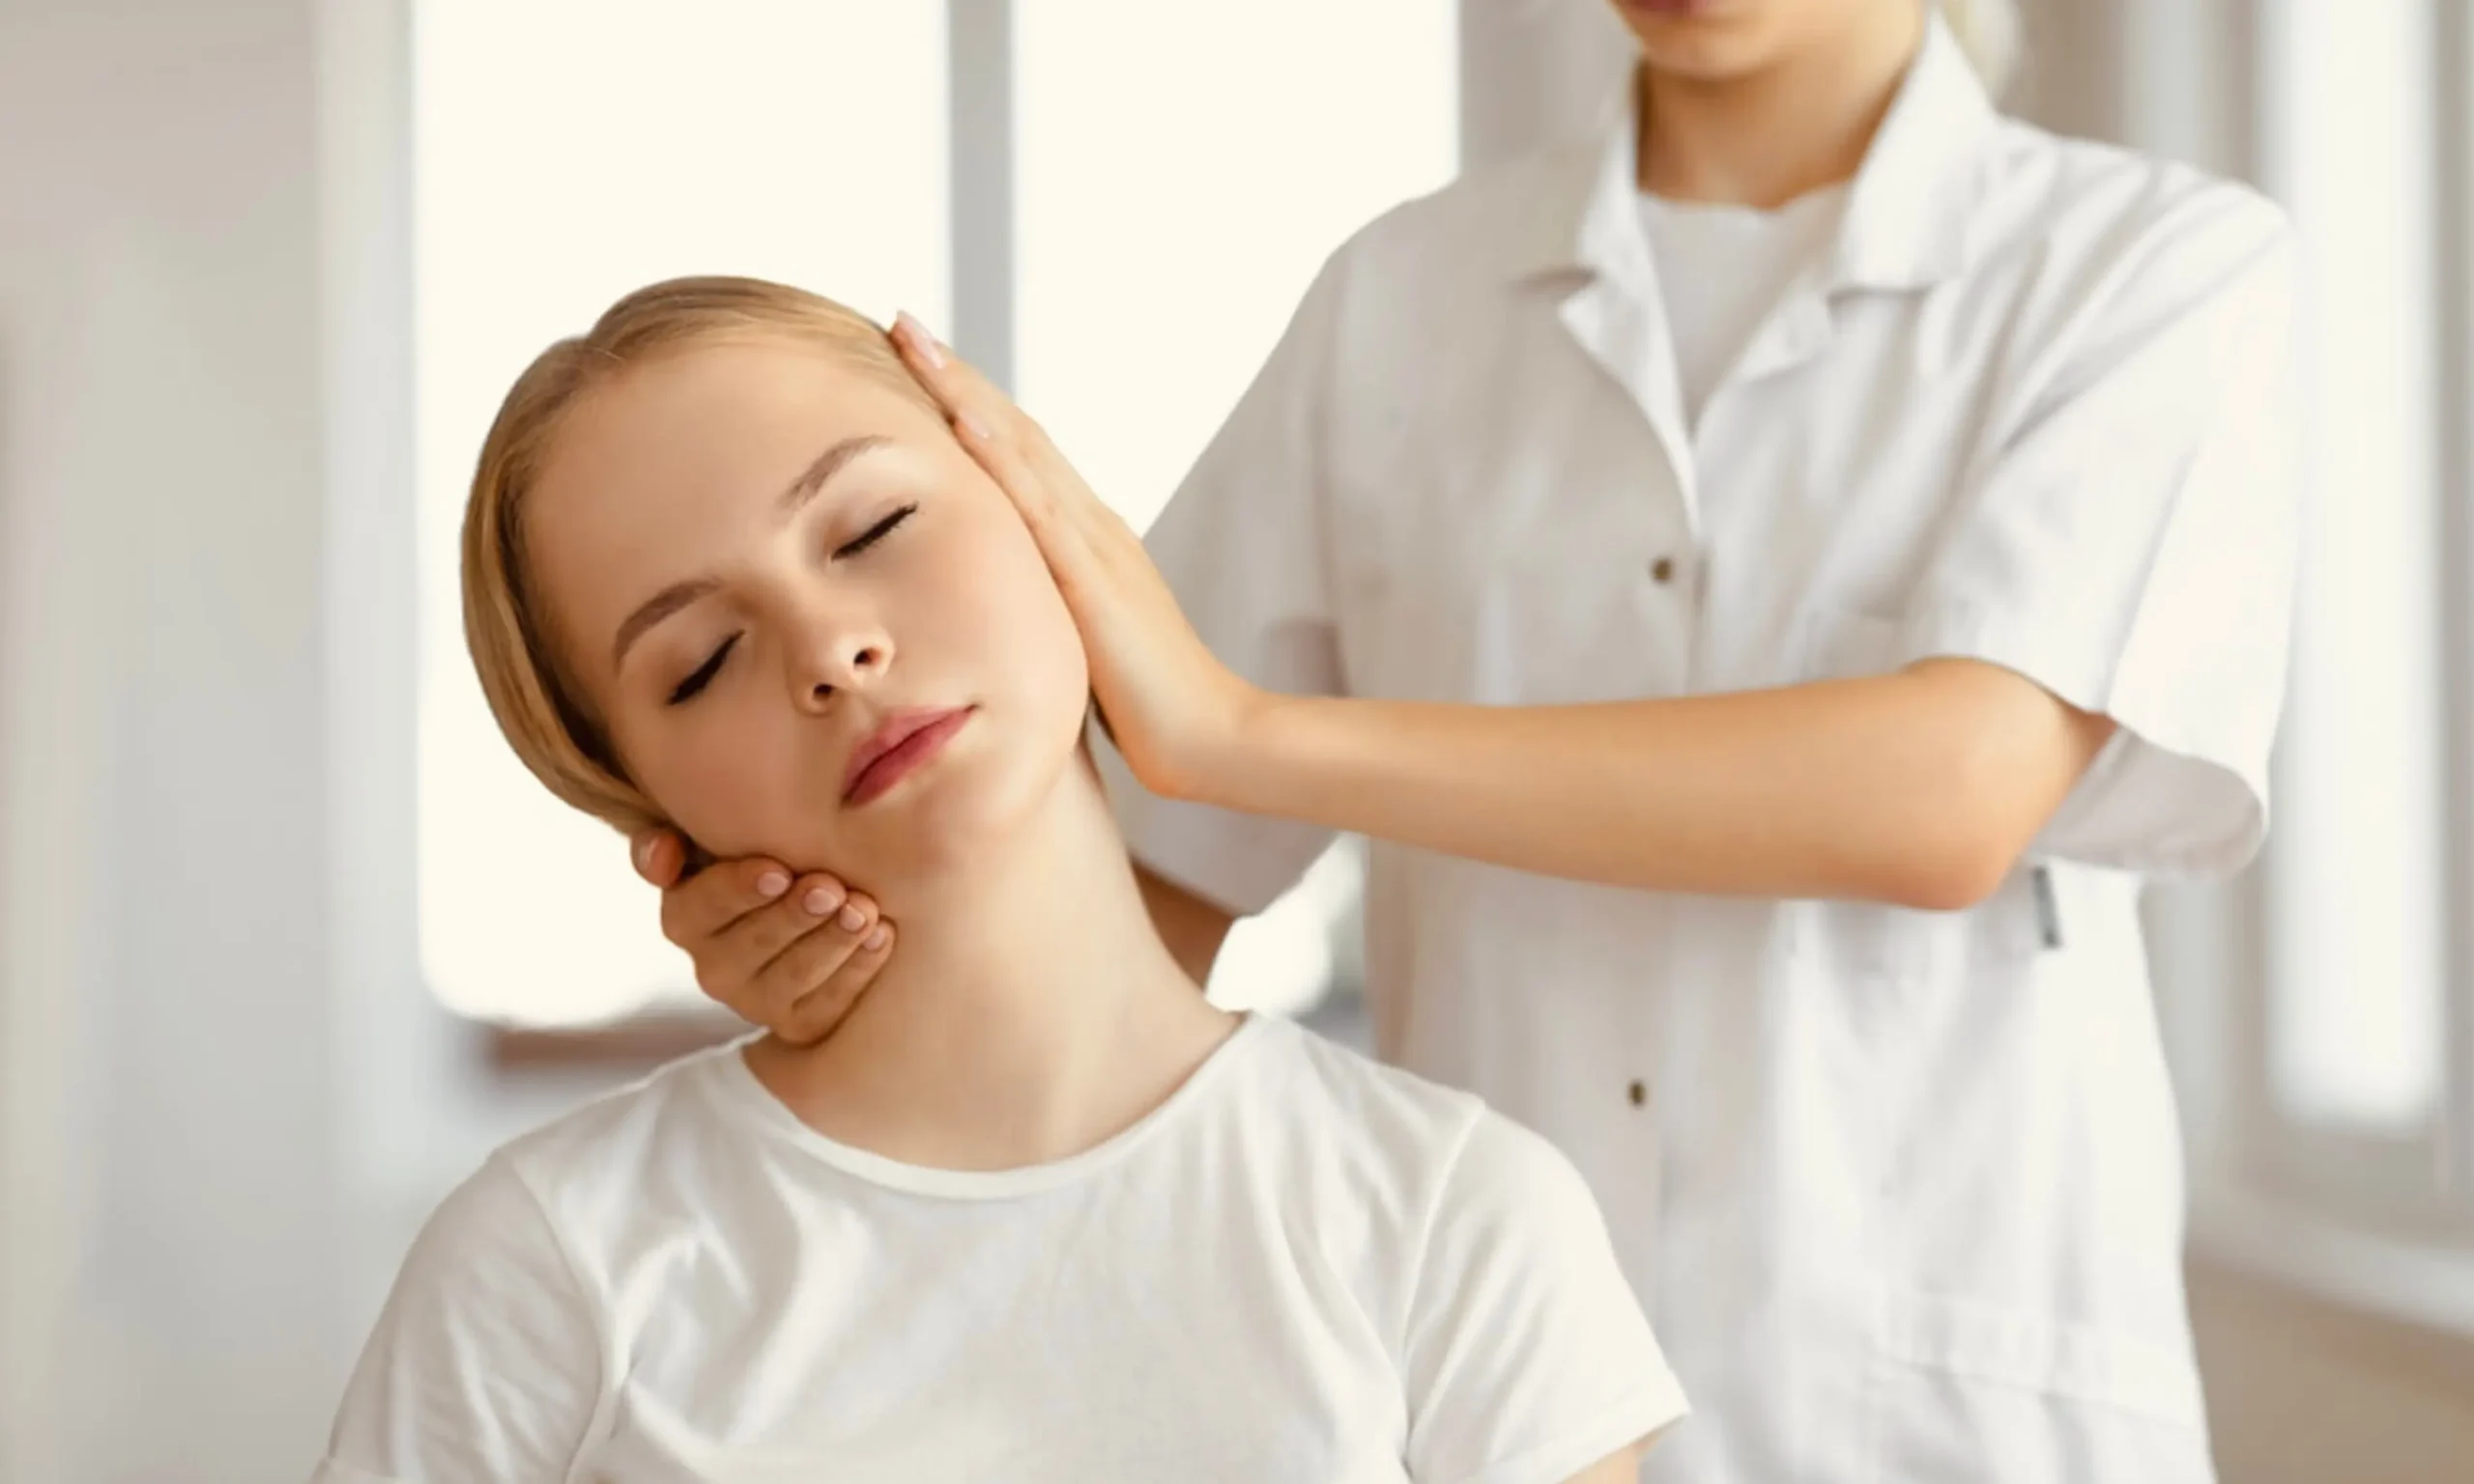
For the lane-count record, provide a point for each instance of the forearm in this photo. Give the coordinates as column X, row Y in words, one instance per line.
column 1619, row 1468
column 1919, row 788
column 1192, row 927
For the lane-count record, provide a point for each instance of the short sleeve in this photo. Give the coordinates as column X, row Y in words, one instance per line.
column 1528, row 1358
column 485, row 1366
column 2130, row 546
column 1243, row 545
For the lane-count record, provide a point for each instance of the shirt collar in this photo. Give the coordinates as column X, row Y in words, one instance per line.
column 1910, row 208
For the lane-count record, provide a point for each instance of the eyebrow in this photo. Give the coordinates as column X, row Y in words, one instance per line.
column 805, row 488
column 827, row 464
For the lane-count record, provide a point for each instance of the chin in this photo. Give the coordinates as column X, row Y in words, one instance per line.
column 1709, row 48
column 960, row 813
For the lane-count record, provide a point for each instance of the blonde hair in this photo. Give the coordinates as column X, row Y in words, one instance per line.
column 1988, row 32
column 542, row 712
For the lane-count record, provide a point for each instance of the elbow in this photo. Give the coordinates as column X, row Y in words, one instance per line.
column 1973, row 807
column 1964, row 874
column 1954, row 856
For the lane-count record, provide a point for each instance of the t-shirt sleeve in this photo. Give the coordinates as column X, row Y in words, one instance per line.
column 2130, row 543
column 1528, row 1358
column 485, row 1366
column 1243, row 545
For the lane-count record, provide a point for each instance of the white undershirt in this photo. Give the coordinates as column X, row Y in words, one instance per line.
column 1721, row 267
column 1301, row 1266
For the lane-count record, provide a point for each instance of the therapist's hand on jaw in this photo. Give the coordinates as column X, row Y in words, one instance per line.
column 788, row 951
column 1174, row 711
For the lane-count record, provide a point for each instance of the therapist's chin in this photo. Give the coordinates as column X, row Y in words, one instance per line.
column 1708, row 42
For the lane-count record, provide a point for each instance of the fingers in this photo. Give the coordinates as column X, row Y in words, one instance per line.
column 1080, row 537
column 695, row 910
column 737, row 955
column 817, row 963
column 1000, row 432
column 1008, row 444
column 659, row 856
column 969, row 398
column 837, row 969
column 791, row 954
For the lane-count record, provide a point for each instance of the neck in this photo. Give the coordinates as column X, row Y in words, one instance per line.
column 1028, row 1011
column 1764, row 137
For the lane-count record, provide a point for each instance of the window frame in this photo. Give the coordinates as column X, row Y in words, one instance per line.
column 2453, row 61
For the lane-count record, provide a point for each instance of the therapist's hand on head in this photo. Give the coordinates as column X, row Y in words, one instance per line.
column 1174, row 711
column 790, row 952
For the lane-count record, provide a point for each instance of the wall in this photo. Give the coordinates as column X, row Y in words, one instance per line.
column 172, row 1260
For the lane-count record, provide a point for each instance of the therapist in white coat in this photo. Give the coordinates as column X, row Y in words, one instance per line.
column 1771, row 582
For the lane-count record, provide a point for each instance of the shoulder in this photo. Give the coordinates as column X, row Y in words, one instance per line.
column 2094, row 223
column 592, row 1170
column 1508, row 1170
column 1436, row 1156
column 1377, row 1118
column 1366, row 1151
column 1484, row 215
column 1474, row 233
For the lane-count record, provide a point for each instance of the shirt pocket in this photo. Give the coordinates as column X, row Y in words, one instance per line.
column 1964, row 1390
column 1871, row 940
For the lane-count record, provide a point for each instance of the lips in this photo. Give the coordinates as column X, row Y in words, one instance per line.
column 902, row 743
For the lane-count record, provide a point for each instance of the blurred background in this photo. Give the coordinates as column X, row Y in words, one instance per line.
column 288, row 941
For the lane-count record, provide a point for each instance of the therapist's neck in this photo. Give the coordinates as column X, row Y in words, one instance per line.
column 1029, row 1009
column 1769, row 136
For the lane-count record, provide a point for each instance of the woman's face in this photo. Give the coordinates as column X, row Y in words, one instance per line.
column 1713, row 41
column 765, row 570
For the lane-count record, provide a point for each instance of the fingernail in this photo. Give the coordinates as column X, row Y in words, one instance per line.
column 922, row 342
column 970, row 424
column 821, row 903
column 642, row 850
column 773, row 884
column 876, row 939
column 852, row 919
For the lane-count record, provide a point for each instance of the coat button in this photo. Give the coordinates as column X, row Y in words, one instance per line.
column 1662, row 570
column 1639, row 1093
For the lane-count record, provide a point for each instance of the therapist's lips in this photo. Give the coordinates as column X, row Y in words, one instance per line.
column 902, row 744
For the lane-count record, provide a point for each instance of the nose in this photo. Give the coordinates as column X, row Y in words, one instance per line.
column 836, row 652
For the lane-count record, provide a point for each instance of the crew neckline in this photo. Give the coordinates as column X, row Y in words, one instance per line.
column 737, row 1084
column 1820, row 201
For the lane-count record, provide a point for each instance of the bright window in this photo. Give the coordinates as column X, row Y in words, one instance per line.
column 1172, row 212
column 565, row 152
column 2357, row 951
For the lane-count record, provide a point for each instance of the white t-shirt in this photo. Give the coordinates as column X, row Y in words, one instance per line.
column 1302, row 1266
column 1720, row 269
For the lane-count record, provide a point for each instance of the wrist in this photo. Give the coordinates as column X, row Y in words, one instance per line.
column 1227, row 763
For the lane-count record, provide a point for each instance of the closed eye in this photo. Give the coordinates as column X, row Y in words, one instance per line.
column 687, row 689
column 875, row 534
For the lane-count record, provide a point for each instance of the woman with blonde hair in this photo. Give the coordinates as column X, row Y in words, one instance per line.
column 1772, row 581
column 1036, row 1211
